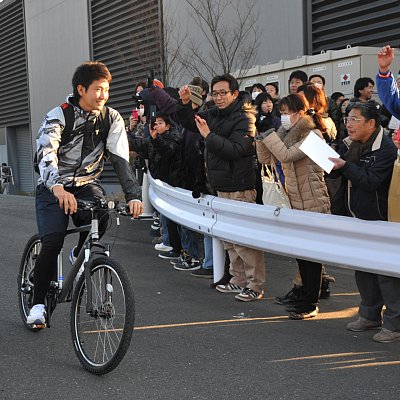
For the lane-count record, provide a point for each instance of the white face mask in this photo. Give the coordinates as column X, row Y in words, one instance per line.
column 285, row 120
column 141, row 112
column 254, row 95
column 318, row 85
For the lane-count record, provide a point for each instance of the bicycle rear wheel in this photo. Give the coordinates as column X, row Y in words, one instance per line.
column 102, row 338
column 25, row 278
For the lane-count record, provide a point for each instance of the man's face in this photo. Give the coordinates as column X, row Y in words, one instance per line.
column 294, row 84
column 358, row 128
column 95, row 96
column 367, row 92
column 160, row 126
column 222, row 95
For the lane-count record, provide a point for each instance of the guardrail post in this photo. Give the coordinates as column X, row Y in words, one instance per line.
column 147, row 207
column 218, row 259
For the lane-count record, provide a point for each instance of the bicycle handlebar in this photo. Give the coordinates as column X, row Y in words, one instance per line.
column 100, row 204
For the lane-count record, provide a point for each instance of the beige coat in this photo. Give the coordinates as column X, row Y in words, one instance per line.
column 304, row 180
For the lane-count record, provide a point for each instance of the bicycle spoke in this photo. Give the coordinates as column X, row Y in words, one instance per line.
column 100, row 335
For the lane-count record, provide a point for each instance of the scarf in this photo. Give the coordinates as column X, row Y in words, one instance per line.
column 357, row 149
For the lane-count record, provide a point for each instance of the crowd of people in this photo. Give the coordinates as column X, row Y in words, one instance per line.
column 215, row 139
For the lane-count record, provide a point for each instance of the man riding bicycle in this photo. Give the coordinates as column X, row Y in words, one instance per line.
column 70, row 160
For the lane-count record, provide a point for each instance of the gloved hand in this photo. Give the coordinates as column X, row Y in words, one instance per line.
column 196, row 193
column 262, row 135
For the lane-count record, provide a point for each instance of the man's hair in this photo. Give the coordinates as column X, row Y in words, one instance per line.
column 274, row 84
column 336, row 95
column 164, row 117
column 362, row 83
column 233, row 83
column 298, row 74
column 317, row 76
column 87, row 73
column 368, row 110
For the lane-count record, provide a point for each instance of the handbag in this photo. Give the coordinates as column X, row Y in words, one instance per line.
column 394, row 194
column 274, row 194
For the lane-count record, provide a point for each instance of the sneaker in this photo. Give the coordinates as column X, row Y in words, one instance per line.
column 162, row 247
column 188, row 265
column 248, row 294
column 293, row 296
column 169, row 255
column 72, row 257
column 203, row 273
column 325, row 291
column 304, row 315
column 182, row 258
column 386, row 336
column 229, row 288
column 363, row 324
column 37, row 316
column 155, row 225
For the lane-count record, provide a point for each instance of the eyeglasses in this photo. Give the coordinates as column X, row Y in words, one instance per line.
column 352, row 120
column 221, row 93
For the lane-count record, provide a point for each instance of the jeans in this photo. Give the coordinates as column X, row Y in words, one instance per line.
column 164, row 230
column 208, row 252
column 189, row 241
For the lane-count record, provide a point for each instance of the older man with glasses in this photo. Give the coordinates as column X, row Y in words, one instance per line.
column 228, row 130
column 366, row 167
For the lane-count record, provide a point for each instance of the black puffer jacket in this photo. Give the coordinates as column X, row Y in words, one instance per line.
column 229, row 151
column 164, row 154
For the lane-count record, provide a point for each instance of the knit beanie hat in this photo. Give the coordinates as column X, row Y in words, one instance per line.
column 195, row 94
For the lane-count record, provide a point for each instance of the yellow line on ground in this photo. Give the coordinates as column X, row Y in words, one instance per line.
column 326, row 356
column 216, row 322
column 374, row 364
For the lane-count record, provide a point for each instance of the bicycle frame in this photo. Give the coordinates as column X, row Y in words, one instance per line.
column 85, row 256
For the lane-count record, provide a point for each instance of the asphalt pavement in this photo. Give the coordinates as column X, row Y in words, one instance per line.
column 190, row 341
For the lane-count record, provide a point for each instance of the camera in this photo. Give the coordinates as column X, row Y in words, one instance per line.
column 137, row 101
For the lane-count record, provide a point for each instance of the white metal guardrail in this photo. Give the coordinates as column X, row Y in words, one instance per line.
column 372, row 246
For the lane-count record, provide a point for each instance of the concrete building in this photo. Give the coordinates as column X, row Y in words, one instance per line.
column 42, row 42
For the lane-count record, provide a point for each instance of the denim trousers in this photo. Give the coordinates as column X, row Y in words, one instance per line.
column 164, row 229
column 208, row 252
column 189, row 241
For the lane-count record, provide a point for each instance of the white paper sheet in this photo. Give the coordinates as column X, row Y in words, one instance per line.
column 319, row 151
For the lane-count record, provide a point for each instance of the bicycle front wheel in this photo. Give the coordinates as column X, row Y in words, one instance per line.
column 102, row 337
column 25, row 278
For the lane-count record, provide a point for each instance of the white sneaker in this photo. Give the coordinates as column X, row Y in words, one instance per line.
column 37, row 316
column 72, row 257
column 162, row 247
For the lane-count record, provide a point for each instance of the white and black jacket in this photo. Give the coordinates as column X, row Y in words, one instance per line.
column 80, row 161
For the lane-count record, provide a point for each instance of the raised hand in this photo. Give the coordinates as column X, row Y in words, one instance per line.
column 385, row 58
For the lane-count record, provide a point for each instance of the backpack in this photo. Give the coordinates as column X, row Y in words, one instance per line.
column 68, row 132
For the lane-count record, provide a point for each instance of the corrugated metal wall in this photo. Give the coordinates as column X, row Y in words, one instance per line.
column 14, row 103
column 333, row 24
column 126, row 37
